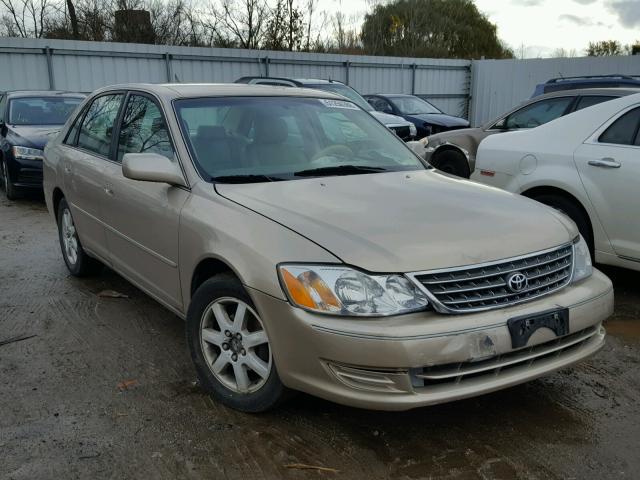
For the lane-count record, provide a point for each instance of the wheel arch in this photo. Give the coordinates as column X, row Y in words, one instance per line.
column 56, row 196
column 550, row 190
column 205, row 269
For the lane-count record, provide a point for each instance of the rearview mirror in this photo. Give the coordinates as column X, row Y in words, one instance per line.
column 152, row 167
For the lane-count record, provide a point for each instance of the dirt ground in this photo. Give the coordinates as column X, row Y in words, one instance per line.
column 103, row 388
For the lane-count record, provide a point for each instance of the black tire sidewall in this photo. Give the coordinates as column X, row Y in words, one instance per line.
column 271, row 393
column 9, row 189
column 455, row 161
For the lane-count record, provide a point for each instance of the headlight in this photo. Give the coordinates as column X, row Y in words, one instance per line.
column 413, row 131
column 582, row 267
column 341, row 290
column 26, row 153
column 424, row 141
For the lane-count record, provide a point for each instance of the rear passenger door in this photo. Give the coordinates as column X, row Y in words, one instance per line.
column 609, row 166
column 85, row 153
column 142, row 218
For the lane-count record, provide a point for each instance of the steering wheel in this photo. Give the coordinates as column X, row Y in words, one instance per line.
column 341, row 150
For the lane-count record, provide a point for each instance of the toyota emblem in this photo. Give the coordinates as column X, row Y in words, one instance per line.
column 517, row 282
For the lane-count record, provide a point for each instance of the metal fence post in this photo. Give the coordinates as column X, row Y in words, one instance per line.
column 413, row 78
column 266, row 66
column 48, row 53
column 168, row 66
column 347, row 64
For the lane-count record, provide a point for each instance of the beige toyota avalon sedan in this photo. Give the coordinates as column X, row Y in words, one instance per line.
column 308, row 248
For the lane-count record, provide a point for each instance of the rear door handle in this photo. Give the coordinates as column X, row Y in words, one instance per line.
column 606, row 162
column 108, row 189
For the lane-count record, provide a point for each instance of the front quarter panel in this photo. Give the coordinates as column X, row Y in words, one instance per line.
column 249, row 243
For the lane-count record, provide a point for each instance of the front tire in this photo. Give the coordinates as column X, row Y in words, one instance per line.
column 453, row 162
column 9, row 190
column 79, row 263
column 230, row 348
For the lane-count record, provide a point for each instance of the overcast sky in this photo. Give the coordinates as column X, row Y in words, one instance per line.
column 542, row 26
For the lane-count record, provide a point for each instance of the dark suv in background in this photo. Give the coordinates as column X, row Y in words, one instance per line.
column 27, row 120
column 587, row 81
column 401, row 127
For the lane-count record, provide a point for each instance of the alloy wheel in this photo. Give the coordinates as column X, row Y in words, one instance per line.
column 235, row 345
column 69, row 237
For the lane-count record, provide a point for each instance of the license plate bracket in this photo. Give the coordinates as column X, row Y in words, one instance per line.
column 521, row 328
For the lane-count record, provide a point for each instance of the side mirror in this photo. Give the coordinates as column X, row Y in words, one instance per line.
column 152, row 167
column 501, row 124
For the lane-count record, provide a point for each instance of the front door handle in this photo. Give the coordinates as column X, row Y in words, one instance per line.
column 108, row 190
column 606, row 162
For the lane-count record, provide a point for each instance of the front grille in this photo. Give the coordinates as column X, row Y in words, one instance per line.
column 486, row 286
column 403, row 132
column 459, row 373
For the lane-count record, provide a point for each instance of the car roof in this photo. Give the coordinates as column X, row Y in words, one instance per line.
column 170, row 91
column 44, row 93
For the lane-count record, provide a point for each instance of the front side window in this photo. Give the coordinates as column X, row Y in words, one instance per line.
column 624, row 131
column 252, row 139
column 97, row 126
column 413, row 105
column 538, row 113
column 143, row 129
column 41, row 110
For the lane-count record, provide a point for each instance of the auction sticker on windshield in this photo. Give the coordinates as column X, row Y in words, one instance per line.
column 337, row 104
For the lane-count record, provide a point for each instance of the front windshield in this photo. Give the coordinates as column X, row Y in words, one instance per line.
column 254, row 139
column 413, row 105
column 345, row 91
column 41, row 110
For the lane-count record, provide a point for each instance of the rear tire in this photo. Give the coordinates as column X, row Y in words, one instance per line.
column 9, row 190
column 571, row 210
column 230, row 348
column 453, row 162
column 79, row 263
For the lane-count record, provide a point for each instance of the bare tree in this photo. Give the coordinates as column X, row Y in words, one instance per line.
column 25, row 18
column 242, row 21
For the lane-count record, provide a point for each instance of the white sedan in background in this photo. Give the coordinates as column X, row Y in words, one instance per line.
column 586, row 164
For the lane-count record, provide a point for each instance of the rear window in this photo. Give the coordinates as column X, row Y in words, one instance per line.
column 41, row 110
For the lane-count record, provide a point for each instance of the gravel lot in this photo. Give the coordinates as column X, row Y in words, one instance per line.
column 104, row 388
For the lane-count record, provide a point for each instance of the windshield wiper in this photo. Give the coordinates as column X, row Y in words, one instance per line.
column 245, row 178
column 339, row 170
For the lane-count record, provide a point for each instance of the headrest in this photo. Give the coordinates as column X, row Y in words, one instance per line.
column 211, row 132
column 271, row 130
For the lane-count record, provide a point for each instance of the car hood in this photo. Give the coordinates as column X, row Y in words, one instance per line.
column 388, row 119
column 32, row 136
column 440, row 119
column 449, row 135
column 406, row 221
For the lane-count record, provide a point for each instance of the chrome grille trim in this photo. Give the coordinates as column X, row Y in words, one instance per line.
column 480, row 287
column 525, row 357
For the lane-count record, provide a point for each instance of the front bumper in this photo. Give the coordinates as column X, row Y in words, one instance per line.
column 382, row 363
column 25, row 173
